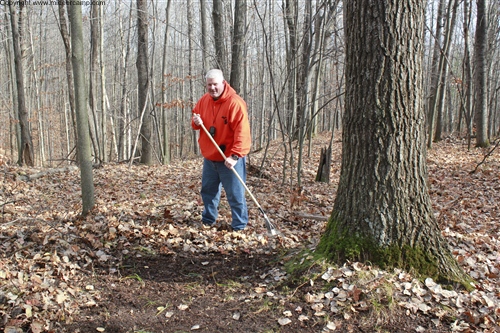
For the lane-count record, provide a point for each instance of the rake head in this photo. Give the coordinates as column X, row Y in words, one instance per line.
column 271, row 229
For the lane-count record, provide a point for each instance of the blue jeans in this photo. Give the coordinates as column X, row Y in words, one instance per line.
column 215, row 176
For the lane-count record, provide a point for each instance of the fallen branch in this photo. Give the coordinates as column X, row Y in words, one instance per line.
column 46, row 172
column 312, row 217
column 485, row 157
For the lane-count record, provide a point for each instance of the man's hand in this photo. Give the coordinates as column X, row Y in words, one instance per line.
column 197, row 119
column 230, row 163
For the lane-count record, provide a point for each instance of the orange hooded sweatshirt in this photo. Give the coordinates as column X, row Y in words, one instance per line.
column 229, row 116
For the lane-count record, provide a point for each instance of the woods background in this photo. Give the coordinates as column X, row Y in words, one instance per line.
column 286, row 58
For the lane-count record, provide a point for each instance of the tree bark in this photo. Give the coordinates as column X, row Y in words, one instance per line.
column 219, row 29
column 480, row 75
column 165, row 129
column 383, row 212
column 240, row 12
column 435, row 73
column 204, row 35
column 104, row 112
column 84, row 144
column 443, row 70
column 124, row 130
column 63, row 27
column 190, row 76
column 142, row 65
column 466, row 109
column 26, row 154
column 94, row 57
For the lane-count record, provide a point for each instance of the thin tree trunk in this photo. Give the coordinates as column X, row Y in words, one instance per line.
column 124, row 127
column 236, row 78
column 104, row 111
column 84, row 143
column 480, row 77
column 443, row 68
column 204, row 35
column 164, row 109
column 219, row 30
column 467, row 70
column 190, row 76
column 15, row 129
column 38, row 97
column 26, row 154
column 142, row 65
column 94, row 57
column 63, row 28
column 435, row 73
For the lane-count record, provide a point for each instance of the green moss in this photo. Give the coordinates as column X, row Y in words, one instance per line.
column 301, row 266
column 342, row 246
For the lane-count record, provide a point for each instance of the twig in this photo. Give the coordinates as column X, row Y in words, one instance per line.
column 485, row 157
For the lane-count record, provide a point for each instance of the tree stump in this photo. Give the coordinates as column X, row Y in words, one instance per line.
column 323, row 174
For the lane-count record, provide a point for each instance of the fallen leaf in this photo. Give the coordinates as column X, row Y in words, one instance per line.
column 284, row 321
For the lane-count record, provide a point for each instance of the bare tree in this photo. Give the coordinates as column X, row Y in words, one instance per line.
column 84, row 144
column 103, row 95
column 124, row 130
column 194, row 143
column 466, row 85
column 142, row 64
column 480, row 75
column 204, row 35
column 218, row 23
column 165, row 130
column 95, row 37
column 437, row 107
column 63, row 28
column 26, row 154
column 236, row 78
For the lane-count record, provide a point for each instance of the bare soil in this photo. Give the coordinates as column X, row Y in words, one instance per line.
column 219, row 292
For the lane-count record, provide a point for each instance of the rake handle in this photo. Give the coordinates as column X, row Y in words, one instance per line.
column 234, row 171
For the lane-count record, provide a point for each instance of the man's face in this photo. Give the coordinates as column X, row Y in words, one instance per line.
column 215, row 87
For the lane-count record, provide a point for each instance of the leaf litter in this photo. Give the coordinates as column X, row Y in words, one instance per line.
column 49, row 254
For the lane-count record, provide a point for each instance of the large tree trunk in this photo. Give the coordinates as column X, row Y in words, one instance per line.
column 26, row 155
column 142, row 65
column 480, row 75
column 84, row 149
column 383, row 212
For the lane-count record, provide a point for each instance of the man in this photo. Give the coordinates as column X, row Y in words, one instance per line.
column 224, row 114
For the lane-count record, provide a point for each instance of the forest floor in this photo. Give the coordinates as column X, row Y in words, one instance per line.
column 140, row 262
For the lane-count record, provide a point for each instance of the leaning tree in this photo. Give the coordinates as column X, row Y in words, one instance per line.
column 383, row 212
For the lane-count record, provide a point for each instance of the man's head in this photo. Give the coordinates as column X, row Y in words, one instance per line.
column 215, row 83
